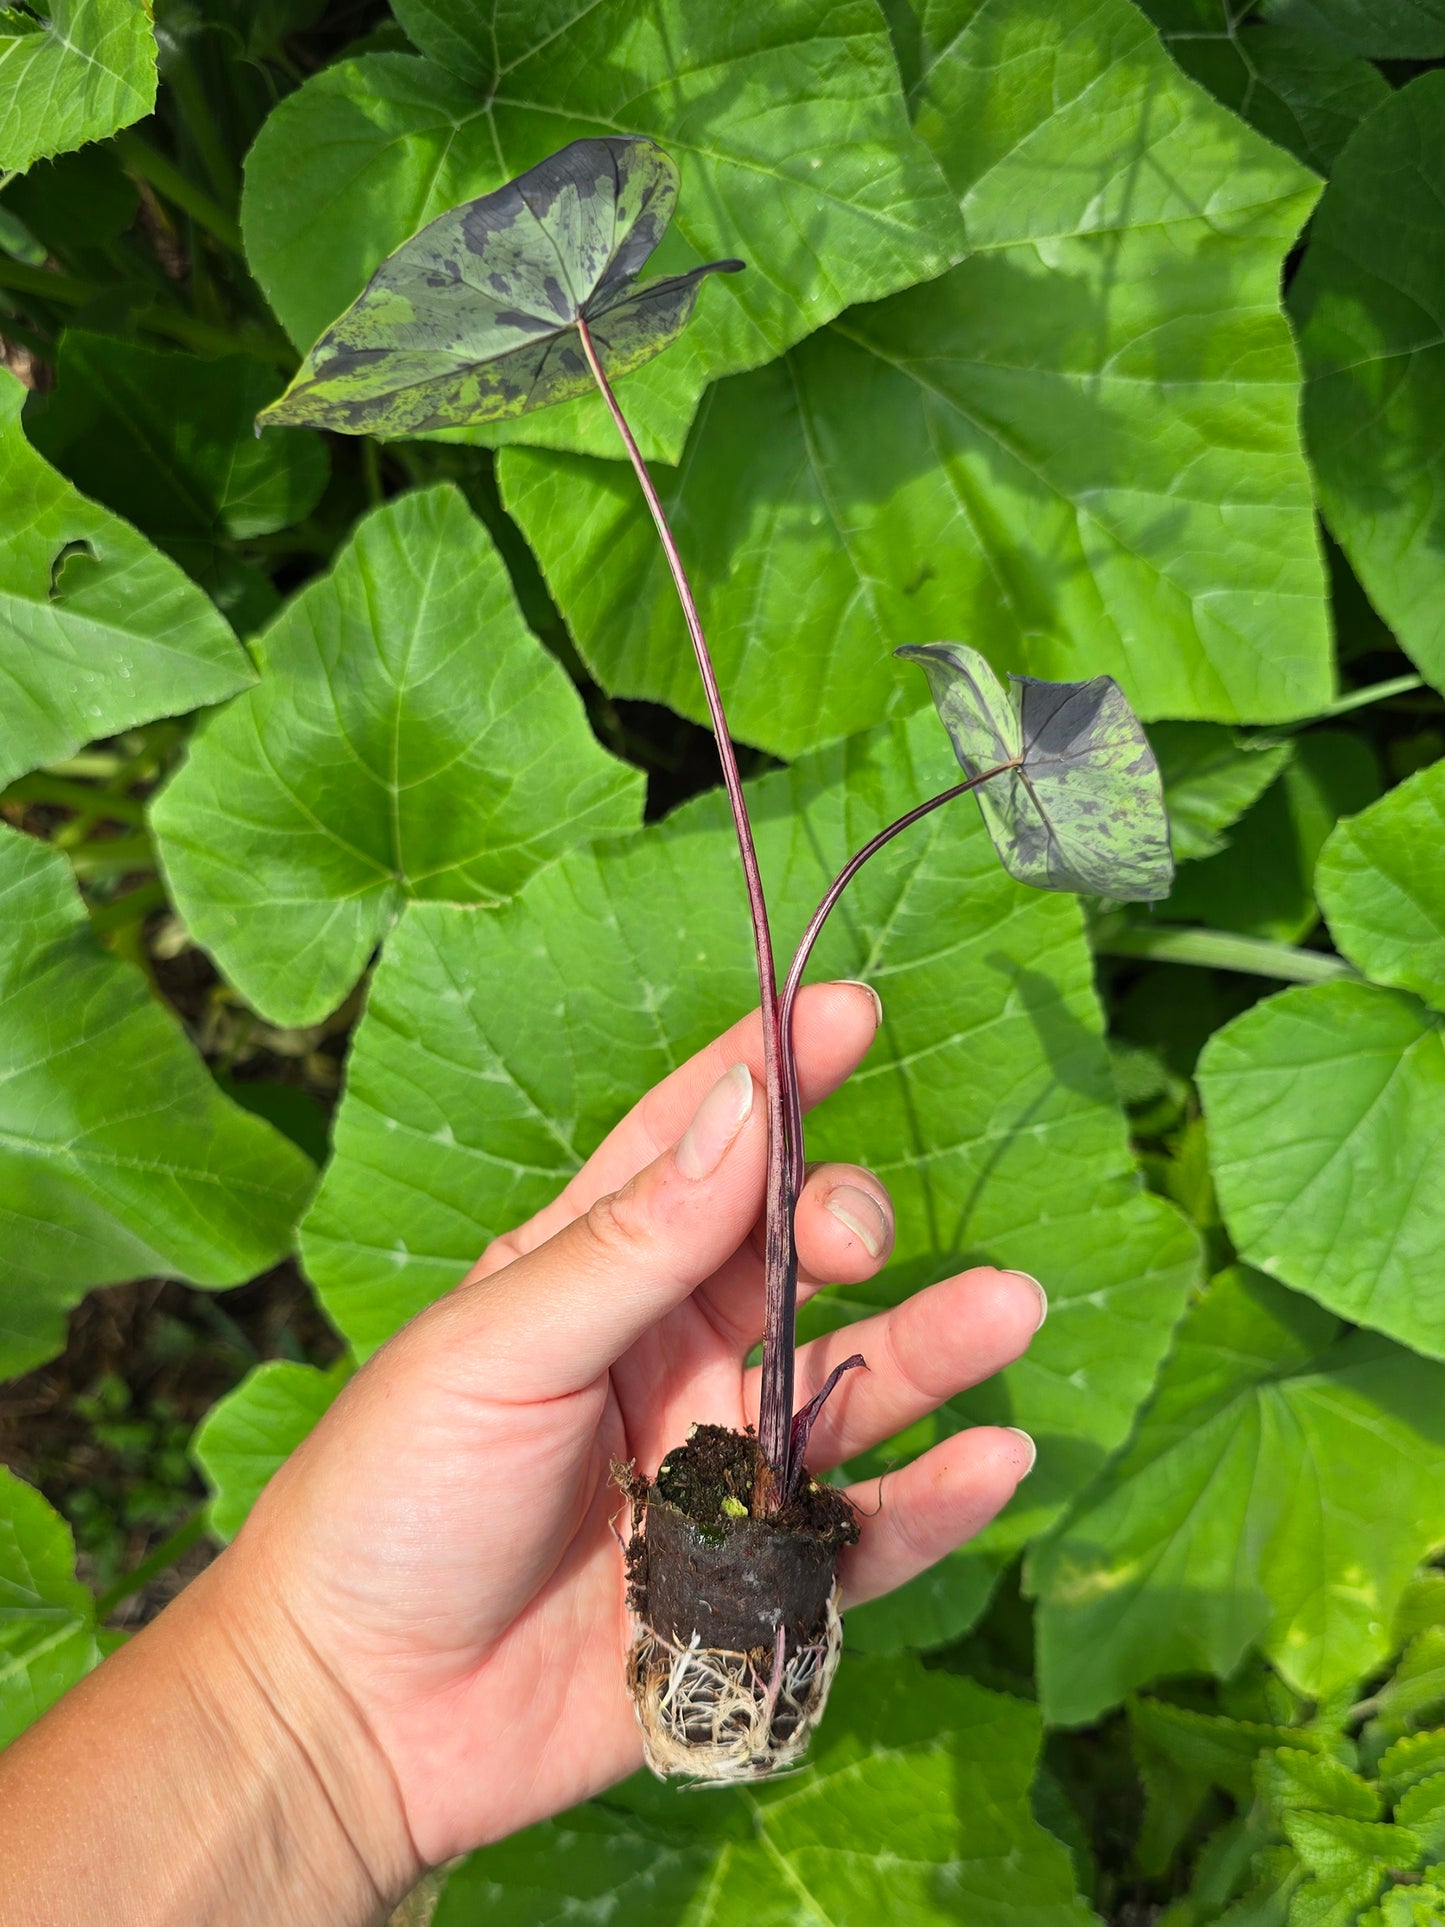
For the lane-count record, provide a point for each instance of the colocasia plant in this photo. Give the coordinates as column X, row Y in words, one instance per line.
column 528, row 297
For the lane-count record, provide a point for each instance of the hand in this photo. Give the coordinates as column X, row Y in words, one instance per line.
column 416, row 1643
column 446, row 1539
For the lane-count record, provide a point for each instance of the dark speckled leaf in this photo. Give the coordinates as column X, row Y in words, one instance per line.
column 473, row 319
column 1082, row 808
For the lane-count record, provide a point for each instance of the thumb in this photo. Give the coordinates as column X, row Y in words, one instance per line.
column 558, row 1317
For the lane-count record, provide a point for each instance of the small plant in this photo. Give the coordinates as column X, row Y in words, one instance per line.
column 524, row 298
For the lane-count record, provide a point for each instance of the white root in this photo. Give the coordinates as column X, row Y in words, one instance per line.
column 730, row 1718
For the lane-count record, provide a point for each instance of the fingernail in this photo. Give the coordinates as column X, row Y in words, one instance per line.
column 861, row 1214
column 1043, row 1295
column 1020, row 1433
column 721, row 1115
column 856, row 983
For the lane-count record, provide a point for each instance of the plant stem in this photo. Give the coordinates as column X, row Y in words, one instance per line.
column 43, row 786
column 165, row 1554
column 775, row 1413
column 139, row 157
column 64, row 288
column 792, row 1095
column 1219, row 950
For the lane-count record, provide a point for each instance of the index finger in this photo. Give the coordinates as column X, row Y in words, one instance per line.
column 833, row 1026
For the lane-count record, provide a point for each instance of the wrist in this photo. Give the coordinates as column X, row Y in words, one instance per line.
column 304, row 1763
column 211, row 1773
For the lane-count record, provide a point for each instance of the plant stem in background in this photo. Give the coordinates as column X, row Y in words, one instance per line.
column 780, row 1253
column 165, row 1554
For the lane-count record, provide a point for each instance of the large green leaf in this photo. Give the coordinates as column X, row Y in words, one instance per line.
column 47, row 1617
column 1326, row 1110
column 1300, row 87
column 168, row 440
column 72, row 71
column 1380, row 29
column 1211, row 777
column 245, row 1436
column 1279, row 1491
column 97, row 631
column 1368, row 300
column 1263, row 884
column 477, row 318
column 499, row 1046
column 118, row 1155
column 409, row 737
column 1382, row 887
column 914, row 1807
column 1078, row 450
column 786, row 123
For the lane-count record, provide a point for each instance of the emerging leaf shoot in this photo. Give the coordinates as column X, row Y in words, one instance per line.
column 475, row 318
column 1078, row 803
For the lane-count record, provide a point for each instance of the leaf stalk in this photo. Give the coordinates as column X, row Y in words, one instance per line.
column 780, row 1259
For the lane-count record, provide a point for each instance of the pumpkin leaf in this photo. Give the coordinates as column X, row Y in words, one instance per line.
column 1366, row 301
column 119, row 1158
column 245, row 1436
column 1080, row 804
column 787, row 123
column 1079, row 448
column 1326, row 1109
column 98, row 632
column 1279, row 1490
column 47, row 1617
column 475, row 318
column 1385, row 907
column 914, row 1807
column 72, row 71
column 408, row 737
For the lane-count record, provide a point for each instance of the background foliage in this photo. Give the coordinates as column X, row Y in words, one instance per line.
column 353, row 821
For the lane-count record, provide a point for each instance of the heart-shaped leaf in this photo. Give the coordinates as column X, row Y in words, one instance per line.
column 1079, row 804
column 474, row 318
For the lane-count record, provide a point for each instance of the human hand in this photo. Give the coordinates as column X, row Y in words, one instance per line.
column 416, row 1643
column 444, row 1542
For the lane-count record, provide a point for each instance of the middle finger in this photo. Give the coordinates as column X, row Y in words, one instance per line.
column 930, row 1348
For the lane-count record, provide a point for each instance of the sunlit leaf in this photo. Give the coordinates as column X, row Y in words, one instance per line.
column 474, row 319
column 97, row 630
column 1078, row 450
column 1381, row 885
column 914, row 1807
column 119, row 1158
column 409, row 737
column 1279, row 1491
column 72, row 71
column 47, row 1617
column 1326, row 1110
column 245, row 1435
column 1368, row 299
column 1080, row 805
